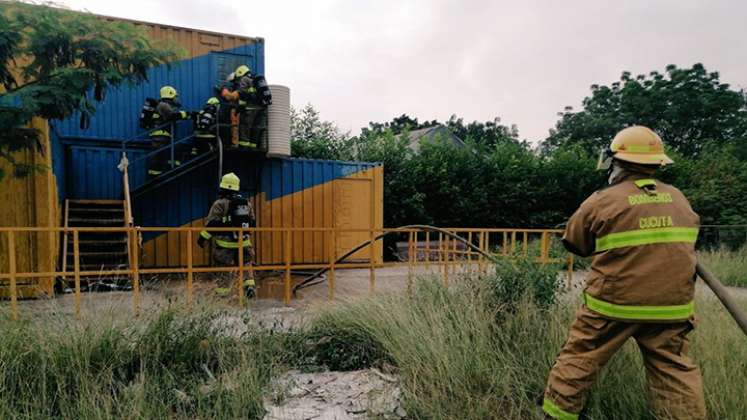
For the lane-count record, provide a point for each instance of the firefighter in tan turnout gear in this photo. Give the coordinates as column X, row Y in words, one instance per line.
column 230, row 210
column 642, row 235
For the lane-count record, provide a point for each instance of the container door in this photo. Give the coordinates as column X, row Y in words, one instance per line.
column 353, row 210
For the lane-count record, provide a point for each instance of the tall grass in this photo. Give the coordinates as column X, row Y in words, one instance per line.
column 473, row 351
column 729, row 266
column 170, row 365
column 459, row 360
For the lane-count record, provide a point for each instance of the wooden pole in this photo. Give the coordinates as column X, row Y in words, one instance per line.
column 332, row 259
column 411, row 249
column 190, row 272
column 13, row 270
column 76, row 268
column 287, row 252
column 428, row 250
column 134, row 250
column 372, row 262
column 240, row 279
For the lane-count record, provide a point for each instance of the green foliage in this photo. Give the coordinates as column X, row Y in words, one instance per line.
column 689, row 107
column 316, row 139
column 55, row 62
column 517, row 277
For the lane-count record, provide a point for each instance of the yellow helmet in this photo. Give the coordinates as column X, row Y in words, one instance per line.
column 230, row 182
column 241, row 70
column 636, row 144
column 168, row 92
column 212, row 101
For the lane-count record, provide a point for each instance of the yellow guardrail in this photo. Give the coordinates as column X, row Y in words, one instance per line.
column 424, row 248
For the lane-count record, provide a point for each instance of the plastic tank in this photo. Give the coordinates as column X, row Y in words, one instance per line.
column 278, row 122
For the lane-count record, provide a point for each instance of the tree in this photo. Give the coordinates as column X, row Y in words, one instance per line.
column 396, row 126
column 313, row 138
column 55, row 62
column 689, row 107
column 489, row 133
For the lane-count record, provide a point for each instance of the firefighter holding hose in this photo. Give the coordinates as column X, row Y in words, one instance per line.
column 642, row 235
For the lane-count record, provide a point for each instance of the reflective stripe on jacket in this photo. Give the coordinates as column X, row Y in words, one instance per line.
column 642, row 234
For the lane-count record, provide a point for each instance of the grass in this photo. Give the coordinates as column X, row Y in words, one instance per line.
column 729, row 266
column 166, row 366
column 473, row 351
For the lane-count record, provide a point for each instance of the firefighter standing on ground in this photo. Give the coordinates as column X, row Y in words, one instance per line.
column 249, row 104
column 642, row 234
column 230, row 210
column 166, row 110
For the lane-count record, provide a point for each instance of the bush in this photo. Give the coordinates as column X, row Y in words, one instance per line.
column 517, row 277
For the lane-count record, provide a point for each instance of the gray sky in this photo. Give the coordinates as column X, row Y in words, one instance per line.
column 522, row 61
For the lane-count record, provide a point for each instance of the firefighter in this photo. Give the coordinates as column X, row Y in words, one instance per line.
column 205, row 122
column 249, row 97
column 642, row 235
column 230, row 210
column 166, row 110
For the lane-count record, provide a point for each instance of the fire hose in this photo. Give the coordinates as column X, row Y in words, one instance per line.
column 710, row 280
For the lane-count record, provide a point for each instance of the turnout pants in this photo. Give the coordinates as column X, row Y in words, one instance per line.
column 675, row 389
column 230, row 257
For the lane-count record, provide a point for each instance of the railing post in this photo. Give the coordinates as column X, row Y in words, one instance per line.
column 428, row 250
column 13, row 270
column 469, row 253
column 446, row 261
column 240, row 279
column 287, row 251
column 372, row 267
column 526, row 243
column 332, row 260
column 411, row 256
column 76, row 268
column 480, row 257
column 544, row 248
column 133, row 234
column 190, row 272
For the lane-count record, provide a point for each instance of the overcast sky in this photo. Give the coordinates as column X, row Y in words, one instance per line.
column 522, row 61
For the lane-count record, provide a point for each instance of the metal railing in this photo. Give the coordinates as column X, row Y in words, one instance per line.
column 433, row 251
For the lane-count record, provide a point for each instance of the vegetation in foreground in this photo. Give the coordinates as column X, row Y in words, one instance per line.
column 479, row 350
column 729, row 266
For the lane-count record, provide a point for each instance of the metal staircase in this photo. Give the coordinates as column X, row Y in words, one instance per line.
column 99, row 251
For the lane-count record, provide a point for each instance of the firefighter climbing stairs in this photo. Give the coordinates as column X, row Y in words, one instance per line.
column 98, row 251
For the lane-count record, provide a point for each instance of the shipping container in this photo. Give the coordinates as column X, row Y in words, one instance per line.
column 83, row 162
column 285, row 193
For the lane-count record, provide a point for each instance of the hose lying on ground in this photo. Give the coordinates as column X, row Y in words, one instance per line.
column 309, row 281
column 723, row 295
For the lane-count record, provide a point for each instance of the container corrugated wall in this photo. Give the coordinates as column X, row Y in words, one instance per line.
column 30, row 201
column 195, row 79
column 286, row 193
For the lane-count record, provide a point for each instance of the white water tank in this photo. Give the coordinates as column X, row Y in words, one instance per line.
column 278, row 122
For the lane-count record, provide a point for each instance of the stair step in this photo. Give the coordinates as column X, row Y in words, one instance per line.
column 95, row 222
column 81, row 241
column 102, row 254
column 96, row 210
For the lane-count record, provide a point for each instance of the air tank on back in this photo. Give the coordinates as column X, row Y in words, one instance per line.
column 278, row 122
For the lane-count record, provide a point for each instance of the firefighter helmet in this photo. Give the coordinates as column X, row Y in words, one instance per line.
column 636, row 144
column 241, row 71
column 168, row 92
column 230, row 182
column 212, row 101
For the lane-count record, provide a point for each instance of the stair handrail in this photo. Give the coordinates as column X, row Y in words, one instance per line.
column 144, row 133
column 124, row 163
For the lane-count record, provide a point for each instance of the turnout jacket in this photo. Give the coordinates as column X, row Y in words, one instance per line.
column 641, row 233
column 235, row 211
